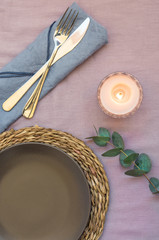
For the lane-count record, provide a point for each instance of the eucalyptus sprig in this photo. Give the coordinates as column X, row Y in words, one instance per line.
column 127, row 157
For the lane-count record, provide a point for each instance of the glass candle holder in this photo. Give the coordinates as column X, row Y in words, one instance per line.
column 120, row 95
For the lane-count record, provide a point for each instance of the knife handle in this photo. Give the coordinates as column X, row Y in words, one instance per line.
column 15, row 97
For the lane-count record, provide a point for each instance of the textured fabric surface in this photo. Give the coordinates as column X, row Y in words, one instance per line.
column 133, row 35
column 35, row 55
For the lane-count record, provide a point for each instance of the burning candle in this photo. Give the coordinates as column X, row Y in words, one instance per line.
column 120, row 95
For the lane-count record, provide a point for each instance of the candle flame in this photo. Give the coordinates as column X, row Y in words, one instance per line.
column 119, row 95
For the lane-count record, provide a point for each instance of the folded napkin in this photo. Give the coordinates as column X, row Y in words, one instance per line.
column 36, row 54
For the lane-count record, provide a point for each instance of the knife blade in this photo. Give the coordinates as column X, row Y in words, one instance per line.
column 68, row 46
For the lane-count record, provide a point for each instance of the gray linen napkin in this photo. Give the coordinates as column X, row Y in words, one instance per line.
column 35, row 55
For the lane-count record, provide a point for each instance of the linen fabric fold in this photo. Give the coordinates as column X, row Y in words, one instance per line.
column 35, row 55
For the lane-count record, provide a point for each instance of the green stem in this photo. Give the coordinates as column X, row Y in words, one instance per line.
column 136, row 166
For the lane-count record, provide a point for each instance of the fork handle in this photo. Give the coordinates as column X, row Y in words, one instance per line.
column 30, row 106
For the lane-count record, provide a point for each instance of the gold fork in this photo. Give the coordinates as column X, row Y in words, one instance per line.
column 61, row 33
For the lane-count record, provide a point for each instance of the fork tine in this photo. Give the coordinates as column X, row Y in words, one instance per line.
column 70, row 28
column 63, row 25
column 60, row 22
column 66, row 27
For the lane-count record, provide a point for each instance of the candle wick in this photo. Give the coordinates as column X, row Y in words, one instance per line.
column 119, row 95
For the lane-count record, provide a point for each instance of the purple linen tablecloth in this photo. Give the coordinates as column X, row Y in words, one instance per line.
column 133, row 31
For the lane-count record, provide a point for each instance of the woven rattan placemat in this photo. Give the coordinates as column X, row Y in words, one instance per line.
column 88, row 161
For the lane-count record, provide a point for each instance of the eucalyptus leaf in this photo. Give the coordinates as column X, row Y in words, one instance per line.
column 103, row 132
column 112, row 153
column 117, row 140
column 135, row 172
column 143, row 162
column 100, row 141
column 123, row 156
column 155, row 182
column 132, row 157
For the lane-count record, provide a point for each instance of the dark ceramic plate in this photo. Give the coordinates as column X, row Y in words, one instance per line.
column 44, row 194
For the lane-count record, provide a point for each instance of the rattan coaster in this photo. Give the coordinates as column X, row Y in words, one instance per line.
column 90, row 164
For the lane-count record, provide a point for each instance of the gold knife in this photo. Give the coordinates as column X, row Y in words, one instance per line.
column 69, row 45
